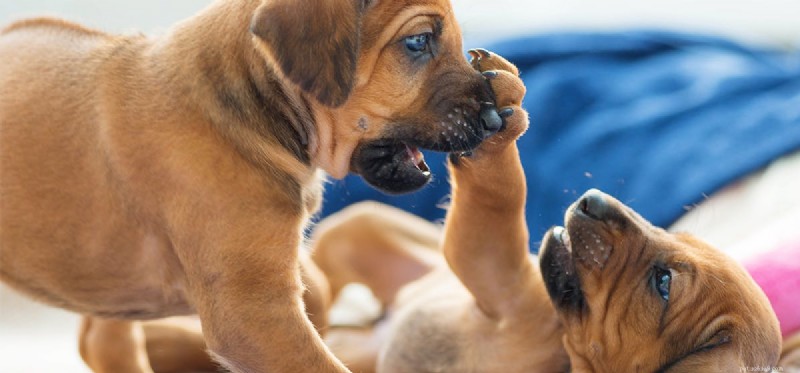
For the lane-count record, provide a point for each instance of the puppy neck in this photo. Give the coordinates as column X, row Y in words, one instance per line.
column 243, row 96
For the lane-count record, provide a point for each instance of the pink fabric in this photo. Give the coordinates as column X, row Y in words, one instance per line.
column 778, row 273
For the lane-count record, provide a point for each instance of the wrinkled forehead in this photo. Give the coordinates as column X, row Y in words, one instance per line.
column 389, row 16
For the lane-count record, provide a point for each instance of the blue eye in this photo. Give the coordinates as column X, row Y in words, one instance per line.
column 662, row 278
column 418, row 43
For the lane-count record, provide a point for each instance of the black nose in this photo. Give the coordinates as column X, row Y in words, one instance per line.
column 594, row 205
column 490, row 120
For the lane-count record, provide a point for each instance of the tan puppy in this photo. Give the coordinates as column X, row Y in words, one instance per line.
column 148, row 177
column 635, row 298
column 705, row 314
column 486, row 309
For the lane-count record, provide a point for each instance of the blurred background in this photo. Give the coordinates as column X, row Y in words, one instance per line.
column 742, row 46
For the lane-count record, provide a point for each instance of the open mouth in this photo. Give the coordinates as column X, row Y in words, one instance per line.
column 416, row 158
column 559, row 270
column 392, row 166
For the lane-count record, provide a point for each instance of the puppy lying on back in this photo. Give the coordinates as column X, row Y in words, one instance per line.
column 624, row 296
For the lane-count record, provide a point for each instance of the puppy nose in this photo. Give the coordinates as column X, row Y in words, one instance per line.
column 490, row 120
column 594, row 205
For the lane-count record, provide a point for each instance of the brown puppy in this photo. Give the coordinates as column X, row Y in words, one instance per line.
column 635, row 298
column 705, row 314
column 142, row 178
column 486, row 309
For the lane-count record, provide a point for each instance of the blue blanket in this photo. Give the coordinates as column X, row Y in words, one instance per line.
column 659, row 120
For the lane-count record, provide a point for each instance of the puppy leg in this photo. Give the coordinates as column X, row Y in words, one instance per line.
column 177, row 344
column 382, row 247
column 244, row 279
column 359, row 348
column 489, row 189
column 113, row 346
column 316, row 294
column 379, row 246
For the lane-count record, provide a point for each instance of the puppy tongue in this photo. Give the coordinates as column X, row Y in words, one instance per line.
column 415, row 157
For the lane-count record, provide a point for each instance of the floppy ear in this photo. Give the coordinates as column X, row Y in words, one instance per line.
column 314, row 42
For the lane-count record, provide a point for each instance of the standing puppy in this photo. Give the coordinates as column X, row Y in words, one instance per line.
column 147, row 177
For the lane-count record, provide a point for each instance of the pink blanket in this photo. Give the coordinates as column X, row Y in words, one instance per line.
column 778, row 273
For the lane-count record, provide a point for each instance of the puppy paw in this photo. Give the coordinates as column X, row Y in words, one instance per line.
column 509, row 90
column 483, row 60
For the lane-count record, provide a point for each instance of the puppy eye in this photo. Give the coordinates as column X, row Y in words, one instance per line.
column 418, row 43
column 661, row 280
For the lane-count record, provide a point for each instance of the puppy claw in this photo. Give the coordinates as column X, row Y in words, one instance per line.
column 478, row 55
column 483, row 60
column 483, row 53
column 490, row 74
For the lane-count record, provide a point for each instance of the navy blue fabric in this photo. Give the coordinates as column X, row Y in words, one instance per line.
column 657, row 119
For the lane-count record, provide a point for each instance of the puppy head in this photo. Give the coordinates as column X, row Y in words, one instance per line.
column 635, row 298
column 385, row 78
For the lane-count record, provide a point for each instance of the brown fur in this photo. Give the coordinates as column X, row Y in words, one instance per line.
column 150, row 177
column 716, row 318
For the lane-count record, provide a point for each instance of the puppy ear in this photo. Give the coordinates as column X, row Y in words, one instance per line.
column 314, row 42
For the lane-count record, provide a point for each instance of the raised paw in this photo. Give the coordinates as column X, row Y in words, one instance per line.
column 504, row 120
column 508, row 88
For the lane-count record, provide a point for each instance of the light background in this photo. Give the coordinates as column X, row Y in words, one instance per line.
column 34, row 339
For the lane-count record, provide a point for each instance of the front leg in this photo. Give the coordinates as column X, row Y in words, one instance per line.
column 243, row 276
column 486, row 236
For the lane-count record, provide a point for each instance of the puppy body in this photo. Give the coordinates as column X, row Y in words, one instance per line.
column 122, row 157
column 144, row 178
column 714, row 319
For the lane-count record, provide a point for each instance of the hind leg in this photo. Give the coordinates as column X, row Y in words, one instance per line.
column 176, row 345
column 376, row 245
column 113, row 346
column 383, row 248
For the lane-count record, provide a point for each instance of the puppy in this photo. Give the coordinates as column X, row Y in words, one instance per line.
column 610, row 293
column 148, row 177
column 674, row 304
column 635, row 298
